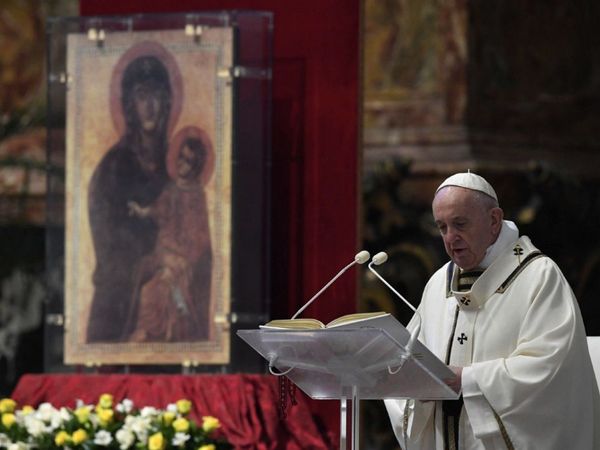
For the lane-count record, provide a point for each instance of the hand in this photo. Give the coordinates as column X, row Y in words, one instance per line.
column 133, row 208
column 136, row 210
column 455, row 383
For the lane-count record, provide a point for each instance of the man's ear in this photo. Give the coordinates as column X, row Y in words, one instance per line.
column 497, row 216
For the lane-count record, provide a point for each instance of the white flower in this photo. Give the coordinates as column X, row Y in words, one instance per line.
column 125, row 438
column 142, row 437
column 180, row 439
column 52, row 417
column 172, row 407
column 103, row 438
column 4, row 440
column 58, row 417
column 45, row 412
column 34, row 426
column 64, row 414
column 141, row 426
column 18, row 446
column 94, row 420
column 20, row 417
column 126, row 406
column 130, row 420
column 148, row 411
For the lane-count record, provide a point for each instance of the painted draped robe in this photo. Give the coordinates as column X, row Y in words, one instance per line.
column 173, row 284
column 527, row 381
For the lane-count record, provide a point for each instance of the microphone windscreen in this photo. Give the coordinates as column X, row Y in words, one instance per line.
column 362, row 257
column 380, row 258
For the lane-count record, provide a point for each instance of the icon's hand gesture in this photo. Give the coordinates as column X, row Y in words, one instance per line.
column 136, row 210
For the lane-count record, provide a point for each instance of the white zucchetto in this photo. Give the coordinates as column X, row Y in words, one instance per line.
column 469, row 181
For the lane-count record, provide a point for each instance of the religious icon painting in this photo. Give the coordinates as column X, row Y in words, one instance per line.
column 148, row 198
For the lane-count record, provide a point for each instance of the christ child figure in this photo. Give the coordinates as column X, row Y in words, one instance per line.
column 172, row 294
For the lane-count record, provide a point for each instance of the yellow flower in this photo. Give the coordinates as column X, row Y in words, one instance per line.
column 83, row 414
column 183, row 406
column 27, row 409
column 181, row 425
column 8, row 419
column 156, row 442
column 207, row 447
column 106, row 401
column 79, row 436
column 62, row 438
column 210, row 423
column 168, row 417
column 7, row 405
column 105, row 416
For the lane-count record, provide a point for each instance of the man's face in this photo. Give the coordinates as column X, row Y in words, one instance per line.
column 467, row 226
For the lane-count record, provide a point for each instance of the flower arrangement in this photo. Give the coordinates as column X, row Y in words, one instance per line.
column 107, row 426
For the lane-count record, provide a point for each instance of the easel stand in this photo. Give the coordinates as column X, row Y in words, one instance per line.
column 355, row 364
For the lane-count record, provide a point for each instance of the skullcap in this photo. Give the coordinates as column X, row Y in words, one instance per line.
column 471, row 181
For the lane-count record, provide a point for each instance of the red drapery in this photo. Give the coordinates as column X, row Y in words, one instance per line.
column 246, row 405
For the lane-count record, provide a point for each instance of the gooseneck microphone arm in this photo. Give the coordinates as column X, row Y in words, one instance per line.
column 360, row 258
column 377, row 260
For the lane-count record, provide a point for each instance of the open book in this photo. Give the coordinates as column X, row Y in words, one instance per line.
column 358, row 320
column 421, row 357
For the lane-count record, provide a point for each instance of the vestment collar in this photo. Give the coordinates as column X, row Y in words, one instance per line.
column 494, row 278
column 509, row 233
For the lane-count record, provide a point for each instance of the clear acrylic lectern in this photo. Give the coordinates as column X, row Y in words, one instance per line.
column 359, row 363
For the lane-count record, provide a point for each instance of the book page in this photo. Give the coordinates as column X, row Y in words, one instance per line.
column 293, row 324
column 351, row 318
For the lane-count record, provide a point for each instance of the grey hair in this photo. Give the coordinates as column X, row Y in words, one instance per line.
column 485, row 200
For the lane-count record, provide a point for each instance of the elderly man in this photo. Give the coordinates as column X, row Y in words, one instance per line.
column 503, row 317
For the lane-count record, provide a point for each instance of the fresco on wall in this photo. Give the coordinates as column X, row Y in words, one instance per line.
column 414, row 58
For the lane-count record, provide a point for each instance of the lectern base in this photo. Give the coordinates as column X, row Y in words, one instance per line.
column 355, row 424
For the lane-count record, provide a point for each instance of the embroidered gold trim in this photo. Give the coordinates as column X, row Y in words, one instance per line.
column 451, row 339
column 505, row 437
column 405, row 423
column 451, row 443
column 532, row 256
column 449, row 273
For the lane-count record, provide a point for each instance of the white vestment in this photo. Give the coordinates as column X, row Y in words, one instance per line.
column 527, row 381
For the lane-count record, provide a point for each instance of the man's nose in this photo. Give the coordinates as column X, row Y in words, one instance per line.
column 451, row 235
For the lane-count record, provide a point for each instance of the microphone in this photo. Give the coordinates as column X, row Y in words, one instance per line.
column 377, row 260
column 360, row 258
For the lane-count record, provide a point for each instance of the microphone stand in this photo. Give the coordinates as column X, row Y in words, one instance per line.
column 377, row 260
column 360, row 258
